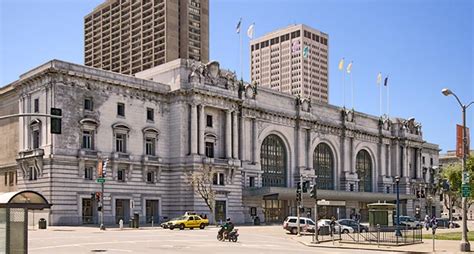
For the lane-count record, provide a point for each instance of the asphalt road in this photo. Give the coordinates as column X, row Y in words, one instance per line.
column 262, row 239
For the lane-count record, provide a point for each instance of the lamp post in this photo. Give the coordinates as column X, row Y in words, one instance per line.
column 465, row 245
column 397, row 180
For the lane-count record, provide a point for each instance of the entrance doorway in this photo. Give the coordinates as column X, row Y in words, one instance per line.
column 274, row 210
column 87, row 211
column 220, row 211
column 122, row 210
column 152, row 212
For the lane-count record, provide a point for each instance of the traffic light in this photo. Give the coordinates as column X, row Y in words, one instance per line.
column 312, row 191
column 56, row 122
column 418, row 194
column 92, row 196
column 298, row 196
column 305, row 186
column 97, row 196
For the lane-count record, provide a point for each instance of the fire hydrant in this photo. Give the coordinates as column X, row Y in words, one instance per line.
column 121, row 224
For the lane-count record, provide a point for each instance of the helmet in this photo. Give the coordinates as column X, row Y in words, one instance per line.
column 228, row 219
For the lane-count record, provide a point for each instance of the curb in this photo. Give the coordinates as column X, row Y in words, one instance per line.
column 352, row 248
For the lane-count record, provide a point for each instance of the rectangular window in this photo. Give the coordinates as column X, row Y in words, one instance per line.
column 87, row 139
column 120, row 109
column 221, row 178
column 36, row 139
column 150, row 146
column 88, row 105
column 6, row 178
column 210, row 149
column 121, row 175
column 120, row 145
column 252, row 181
column 431, row 160
column 150, row 114
column 11, row 178
column 32, row 173
column 150, row 177
column 209, row 121
column 88, row 173
column 423, row 160
column 388, row 189
column 36, row 106
column 214, row 179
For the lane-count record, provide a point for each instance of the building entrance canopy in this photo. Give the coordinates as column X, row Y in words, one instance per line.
column 283, row 193
column 23, row 199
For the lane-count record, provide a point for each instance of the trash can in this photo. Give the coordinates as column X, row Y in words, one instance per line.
column 42, row 223
column 256, row 221
column 131, row 223
column 323, row 230
column 136, row 220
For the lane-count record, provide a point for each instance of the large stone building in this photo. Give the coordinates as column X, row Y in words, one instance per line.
column 184, row 116
column 278, row 60
column 128, row 36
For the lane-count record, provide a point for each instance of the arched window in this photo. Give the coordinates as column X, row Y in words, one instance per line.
column 273, row 160
column 323, row 163
column 364, row 170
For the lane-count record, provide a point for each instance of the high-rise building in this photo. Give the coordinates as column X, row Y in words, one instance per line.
column 293, row 60
column 128, row 36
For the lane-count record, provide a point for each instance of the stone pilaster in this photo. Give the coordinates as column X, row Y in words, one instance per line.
column 194, row 134
column 235, row 136
column 228, row 132
column 202, row 127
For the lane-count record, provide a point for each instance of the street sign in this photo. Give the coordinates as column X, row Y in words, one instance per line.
column 323, row 202
column 101, row 180
column 466, row 177
column 466, row 190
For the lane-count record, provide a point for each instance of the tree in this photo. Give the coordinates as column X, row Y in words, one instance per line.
column 452, row 175
column 202, row 183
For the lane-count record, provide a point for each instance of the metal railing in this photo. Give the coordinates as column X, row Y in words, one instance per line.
column 384, row 235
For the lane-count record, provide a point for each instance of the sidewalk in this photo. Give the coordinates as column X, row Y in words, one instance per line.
column 441, row 246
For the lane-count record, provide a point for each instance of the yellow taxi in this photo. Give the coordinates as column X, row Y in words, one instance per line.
column 187, row 221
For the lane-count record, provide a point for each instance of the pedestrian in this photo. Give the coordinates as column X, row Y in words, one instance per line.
column 427, row 222
column 434, row 221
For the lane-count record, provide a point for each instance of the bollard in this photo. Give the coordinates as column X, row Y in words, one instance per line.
column 121, row 224
column 151, row 222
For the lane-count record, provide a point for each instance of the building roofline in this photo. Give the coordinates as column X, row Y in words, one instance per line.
column 279, row 30
column 92, row 73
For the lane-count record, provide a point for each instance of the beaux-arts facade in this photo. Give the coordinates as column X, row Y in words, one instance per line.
column 183, row 116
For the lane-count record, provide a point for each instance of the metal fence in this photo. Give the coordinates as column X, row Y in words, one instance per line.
column 385, row 236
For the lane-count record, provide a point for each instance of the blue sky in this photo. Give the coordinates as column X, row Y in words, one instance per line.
column 424, row 45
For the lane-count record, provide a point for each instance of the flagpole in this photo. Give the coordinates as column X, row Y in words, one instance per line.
column 241, row 68
column 388, row 102
column 344, row 86
column 380, row 98
column 352, row 90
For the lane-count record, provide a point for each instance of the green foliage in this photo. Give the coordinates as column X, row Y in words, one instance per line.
column 453, row 173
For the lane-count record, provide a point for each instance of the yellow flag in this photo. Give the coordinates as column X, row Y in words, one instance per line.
column 341, row 64
column 349, row 67
column 379, row 78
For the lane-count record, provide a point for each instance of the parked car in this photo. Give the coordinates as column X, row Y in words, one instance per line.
column 455, row 216
column 306, row 224
column 444, row 223
column 354, row 225
column 410, row 222
column 187, row 221
column 337, row 228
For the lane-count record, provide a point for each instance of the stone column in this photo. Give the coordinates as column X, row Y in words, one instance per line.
column 235, row 136
column 228, row 132
column 254, row 140
column 308, row 149
column 202, row 127
column 193, row 134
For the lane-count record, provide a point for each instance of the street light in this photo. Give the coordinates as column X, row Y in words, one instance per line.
column 465, row 245
column 397, row 180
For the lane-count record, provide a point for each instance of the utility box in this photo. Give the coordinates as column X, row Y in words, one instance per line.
column 381, row 214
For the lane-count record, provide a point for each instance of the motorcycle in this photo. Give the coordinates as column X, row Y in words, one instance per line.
column 222, row 235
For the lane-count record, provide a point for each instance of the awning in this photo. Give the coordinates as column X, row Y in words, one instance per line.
column 283, row 193
column 23, row 199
